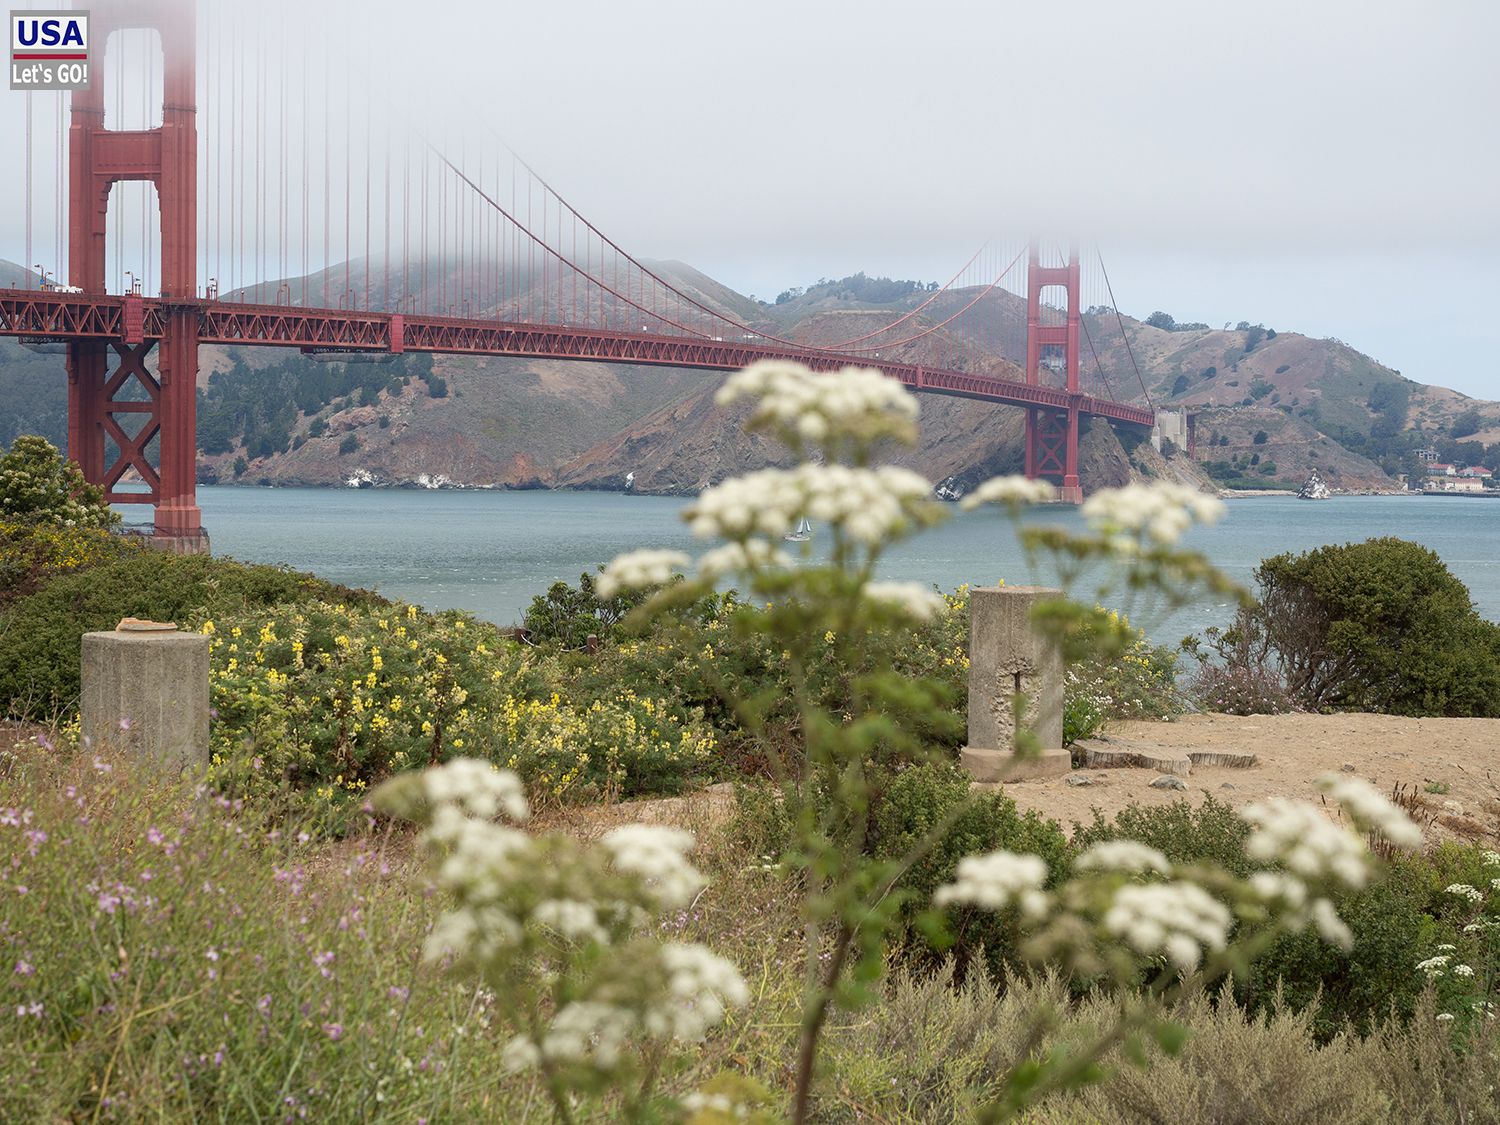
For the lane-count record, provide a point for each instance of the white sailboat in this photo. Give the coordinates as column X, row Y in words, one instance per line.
column 801, row 534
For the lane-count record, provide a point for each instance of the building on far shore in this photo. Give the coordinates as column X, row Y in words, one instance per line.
column 1439, row 483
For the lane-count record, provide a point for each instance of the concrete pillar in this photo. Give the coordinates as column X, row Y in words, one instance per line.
column 1008, row 657
column 145, row 690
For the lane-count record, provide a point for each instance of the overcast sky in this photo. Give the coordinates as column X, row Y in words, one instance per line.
column 1322, row 166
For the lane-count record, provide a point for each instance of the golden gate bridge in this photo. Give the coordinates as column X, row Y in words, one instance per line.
column 467, row 252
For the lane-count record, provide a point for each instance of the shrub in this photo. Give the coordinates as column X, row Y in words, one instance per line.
column 1241, row 689
column 349, row 444
column 568, row 615
column 40, row 634
column 919, row 799
column 1085, row 709
column 936, row 1048
column 1136, row 682
column 1212, row 833
column 32, row 554
column 329, row 700
column 1381, row 626
column 38, row 486
column 1375, row 980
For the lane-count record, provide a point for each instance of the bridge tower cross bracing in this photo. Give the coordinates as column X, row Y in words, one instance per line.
column 1052, row 435
column 167, row 157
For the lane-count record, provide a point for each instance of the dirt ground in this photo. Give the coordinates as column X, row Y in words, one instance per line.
column 1448, row 768
column 1447, row 771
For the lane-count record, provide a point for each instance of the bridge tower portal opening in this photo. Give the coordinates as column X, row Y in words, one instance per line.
column 1052, row 435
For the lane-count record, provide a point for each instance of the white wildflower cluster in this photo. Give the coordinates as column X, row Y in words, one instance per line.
column 803, row 407
column 1178, row 920
column 530, row 910
column 1123, row 855
column 1434, row 966
column 576, row 921
column 585, row 1031
column 996, row 880
column 659, row 856
column 637, row 570
column 1013, row 491
column 1298, row 835
column 869, row 505
column 1162, row 511
column 697, row 988
column 1465, row 891
column 1288, row 896
column 476, row 788
column 740, row 558
column 720, row 1105
column 701, row 988
column 1491, row 859
column 1369, row 810
column 919, row 602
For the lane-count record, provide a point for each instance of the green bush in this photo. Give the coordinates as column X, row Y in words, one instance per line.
column 1210, row 833
column 1375, row 980
column 37, row 485
column 40, row 634
column 1376, row 626
column 916, row 802
column 568, row 615
column 324, row 701
column 33, row 554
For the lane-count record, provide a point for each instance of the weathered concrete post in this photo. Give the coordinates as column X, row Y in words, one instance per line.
column 1009, row 658
column 145, row 690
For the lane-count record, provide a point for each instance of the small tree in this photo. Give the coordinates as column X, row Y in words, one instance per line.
column 1380, row 626
column 348, row 445
column 38, row 486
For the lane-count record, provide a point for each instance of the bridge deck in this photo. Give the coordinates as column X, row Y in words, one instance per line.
column 50, row 315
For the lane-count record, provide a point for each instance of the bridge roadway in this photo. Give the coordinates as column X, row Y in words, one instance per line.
column 61, row 316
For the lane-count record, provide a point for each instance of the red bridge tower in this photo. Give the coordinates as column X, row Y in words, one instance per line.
column 98, row 371
column 1052, row 435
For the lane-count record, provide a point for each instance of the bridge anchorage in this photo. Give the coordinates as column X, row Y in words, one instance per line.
column 132, row 357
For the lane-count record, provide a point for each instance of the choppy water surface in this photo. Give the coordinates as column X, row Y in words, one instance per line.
column 490, row 552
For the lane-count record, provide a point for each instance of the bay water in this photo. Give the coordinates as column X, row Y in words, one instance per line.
column 490, row 552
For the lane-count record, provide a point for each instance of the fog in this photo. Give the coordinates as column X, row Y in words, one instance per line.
column 1328, row 167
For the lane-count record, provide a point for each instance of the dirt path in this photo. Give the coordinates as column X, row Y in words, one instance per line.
column 1451, row 766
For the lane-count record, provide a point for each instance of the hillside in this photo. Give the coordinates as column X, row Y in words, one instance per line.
column 1271, row 405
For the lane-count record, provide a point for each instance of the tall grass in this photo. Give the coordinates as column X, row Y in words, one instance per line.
column 166, row 956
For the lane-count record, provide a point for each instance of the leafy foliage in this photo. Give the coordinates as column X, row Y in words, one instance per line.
column 934, row 800
column 38, row 486
column 40, row 634
column 1380, row 626
column 857, row 287
column 330, row 699
column 1210, row 833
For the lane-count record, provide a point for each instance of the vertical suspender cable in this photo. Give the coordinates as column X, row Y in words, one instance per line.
column 367, row 204
column 348, row 293
column 28, row 263
column 327, row 264
column 385, row 260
